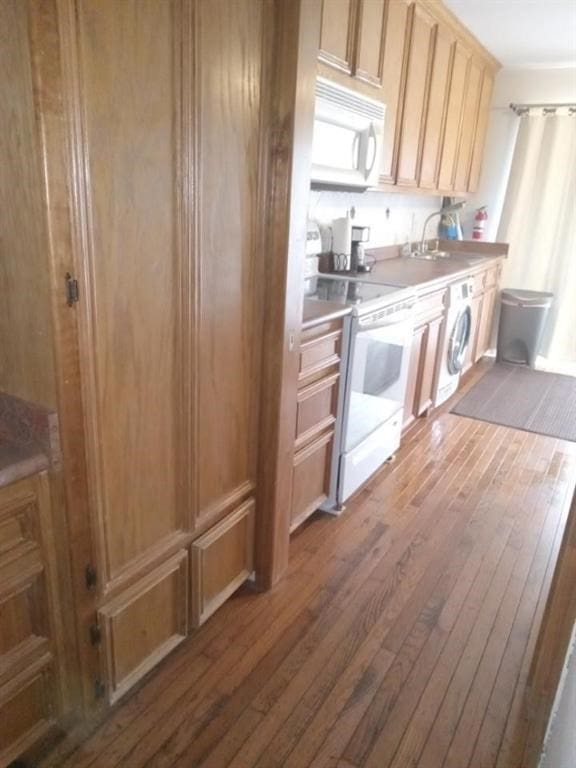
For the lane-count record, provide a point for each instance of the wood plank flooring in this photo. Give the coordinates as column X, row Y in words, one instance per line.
column 401, row 636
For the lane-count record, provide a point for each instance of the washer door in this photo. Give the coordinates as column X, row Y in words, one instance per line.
column 459, row 340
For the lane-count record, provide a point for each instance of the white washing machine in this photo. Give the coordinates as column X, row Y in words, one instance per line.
column 455, row 339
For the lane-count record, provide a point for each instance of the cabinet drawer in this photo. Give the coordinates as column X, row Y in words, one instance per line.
column 27, row 710
column 19, row 524
column 316, row 408
column 23, row 620
column 320, row 353
column 430, row 306
column 143, row 624
column 311, row 478
column 222, row 560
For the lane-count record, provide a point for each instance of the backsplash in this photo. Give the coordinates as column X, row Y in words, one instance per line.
column 391, row 217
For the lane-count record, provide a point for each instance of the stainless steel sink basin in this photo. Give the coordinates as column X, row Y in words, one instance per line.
column 430, row 255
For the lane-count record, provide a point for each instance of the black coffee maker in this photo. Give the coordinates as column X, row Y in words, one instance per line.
column 360, row 235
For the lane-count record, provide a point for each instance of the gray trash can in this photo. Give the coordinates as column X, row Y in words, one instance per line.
column 522, row 319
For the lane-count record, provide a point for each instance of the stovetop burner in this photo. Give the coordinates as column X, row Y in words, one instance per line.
column 361, row 295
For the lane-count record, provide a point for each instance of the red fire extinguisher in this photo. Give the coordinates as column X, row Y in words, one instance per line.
column 479, row 223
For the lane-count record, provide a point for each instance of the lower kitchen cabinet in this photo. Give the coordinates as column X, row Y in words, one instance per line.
column 311, row 478
column 30, row 700
column 320, row 382
column 222, row 560
column 485, row 293
column 143, row 624
column 28, row 709
column 424, row 356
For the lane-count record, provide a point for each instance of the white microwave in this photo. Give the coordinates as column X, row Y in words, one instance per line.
column 348, row 133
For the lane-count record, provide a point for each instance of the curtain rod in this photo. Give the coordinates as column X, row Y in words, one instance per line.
column 522, row 109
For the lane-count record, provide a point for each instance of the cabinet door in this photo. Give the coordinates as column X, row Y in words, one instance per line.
column 436, row 111
column 481, row 127
column 415, row 97
column 416, row 353
column 133, row 265
column 471, row 353
column 396, row 40
column 370, row 47
column 27, row 710
column 222, row 560
column 337, row 33
column 311, row 477
column 229, row 261
column 468, row 128
column 485, row 326
column 453, row 118
column 143, row 624
column 428, row 364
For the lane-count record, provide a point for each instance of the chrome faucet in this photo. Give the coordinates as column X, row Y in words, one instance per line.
column 447, row 209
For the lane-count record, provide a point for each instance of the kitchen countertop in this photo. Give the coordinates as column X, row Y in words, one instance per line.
column 17, row 461
column 29, row 439
column 316, row 312
column 410, row 272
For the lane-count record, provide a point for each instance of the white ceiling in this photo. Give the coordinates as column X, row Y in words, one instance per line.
column 522, row 33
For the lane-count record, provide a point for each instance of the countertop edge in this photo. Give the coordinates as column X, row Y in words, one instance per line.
column 324, row 313
column 23, row 468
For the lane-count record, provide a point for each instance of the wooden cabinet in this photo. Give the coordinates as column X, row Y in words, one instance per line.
column 222, row 559
column 421, row 49
column 318, row 405
column 30, row 695
column 424, row 355
column 396, row 46
column 370, row 48
column 338, row 33
column 431, row 73
column 436, row 111
column 468, row 125
column 485, row 293
column 153, row 151
column 457, row 90
column 481, row 128
column 143, row 624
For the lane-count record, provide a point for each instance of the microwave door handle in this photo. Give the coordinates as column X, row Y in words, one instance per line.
column 355, row 145
column 371, row 142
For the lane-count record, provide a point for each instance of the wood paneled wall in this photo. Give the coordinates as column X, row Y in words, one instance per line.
column 26, row 354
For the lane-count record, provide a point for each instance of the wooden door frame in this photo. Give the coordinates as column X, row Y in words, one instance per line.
column 52, row 109
column 290, row 108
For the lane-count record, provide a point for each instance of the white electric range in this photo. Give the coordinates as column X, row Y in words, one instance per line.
column 376, row 355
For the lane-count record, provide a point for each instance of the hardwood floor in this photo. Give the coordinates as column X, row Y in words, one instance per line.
column 401, row 636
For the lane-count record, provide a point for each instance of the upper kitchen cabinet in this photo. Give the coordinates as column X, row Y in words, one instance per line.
column 338, row 33
column 457, row 92
column 481, row 127
column 436, row 112
column 370, row 49
column 470, row 117
column 421, row 51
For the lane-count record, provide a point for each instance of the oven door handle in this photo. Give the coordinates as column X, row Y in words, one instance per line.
column 398, row 317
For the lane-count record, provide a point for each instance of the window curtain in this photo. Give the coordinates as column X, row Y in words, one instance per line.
column 539, row 222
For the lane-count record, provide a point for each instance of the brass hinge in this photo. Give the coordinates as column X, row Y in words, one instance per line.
column 71, row 289
column 95, row 634
column 91, row 577
column 99, row 689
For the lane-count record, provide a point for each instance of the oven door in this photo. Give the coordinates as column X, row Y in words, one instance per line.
column 377, row 374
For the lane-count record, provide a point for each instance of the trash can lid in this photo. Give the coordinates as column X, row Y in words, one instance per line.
column 522, row 298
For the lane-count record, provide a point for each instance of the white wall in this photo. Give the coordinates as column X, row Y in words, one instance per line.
column 392, row 217
column 512, row 86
